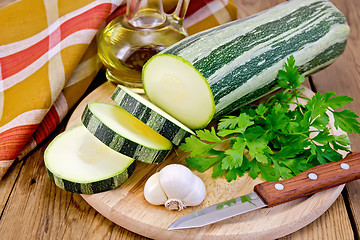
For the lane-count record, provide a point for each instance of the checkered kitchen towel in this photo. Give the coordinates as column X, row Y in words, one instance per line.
column 48, row 59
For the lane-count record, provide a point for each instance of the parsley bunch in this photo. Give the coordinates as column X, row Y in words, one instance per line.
column 280, row 141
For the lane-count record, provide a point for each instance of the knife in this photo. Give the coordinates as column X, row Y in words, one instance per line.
column 269, row 194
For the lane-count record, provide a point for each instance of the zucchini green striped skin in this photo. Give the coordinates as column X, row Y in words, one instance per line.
column 92, row 187
column 151, row 115
column 78, row 162
column 240, row 59
column 121, row 143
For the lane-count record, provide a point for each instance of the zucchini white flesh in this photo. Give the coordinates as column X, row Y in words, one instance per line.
column 151, row 115
column 124, row 133
column 174, row 85
column 236, row 63
column 78, row 162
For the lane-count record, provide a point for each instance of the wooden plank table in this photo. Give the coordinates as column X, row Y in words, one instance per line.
column 32, row 207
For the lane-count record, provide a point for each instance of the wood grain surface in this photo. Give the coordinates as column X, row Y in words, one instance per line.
column 32, row 207
column 343, row 77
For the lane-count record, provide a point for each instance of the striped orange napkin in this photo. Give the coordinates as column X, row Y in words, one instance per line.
column 48, row 58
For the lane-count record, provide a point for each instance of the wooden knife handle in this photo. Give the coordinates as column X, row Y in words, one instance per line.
column 313, row 180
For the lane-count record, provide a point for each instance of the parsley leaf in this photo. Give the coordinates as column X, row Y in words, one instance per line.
column 339, row 101
column 235, row 155
column 282, row 171
column 217, row 171
column 195, row 146
column 232, row 174
column 209, row 136
column 254, row 169
column 202, row 163
column 233, row 125
column 347, row 121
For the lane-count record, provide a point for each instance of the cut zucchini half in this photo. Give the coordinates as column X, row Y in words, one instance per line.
column 174, row 85
column 78, row 162
column 124, row 133
column 151, row 115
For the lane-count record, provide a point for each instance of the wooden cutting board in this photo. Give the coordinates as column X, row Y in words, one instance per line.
column 127, row 207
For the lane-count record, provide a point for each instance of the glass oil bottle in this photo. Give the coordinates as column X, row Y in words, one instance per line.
column 129, row 40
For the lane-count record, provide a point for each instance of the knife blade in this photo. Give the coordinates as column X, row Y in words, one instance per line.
column 269, row 194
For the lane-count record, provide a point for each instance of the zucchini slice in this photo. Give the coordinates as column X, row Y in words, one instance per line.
column 151, row 115
column 78, row 162
column 124, row 133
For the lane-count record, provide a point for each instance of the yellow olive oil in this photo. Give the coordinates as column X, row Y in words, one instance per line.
column 125, row 46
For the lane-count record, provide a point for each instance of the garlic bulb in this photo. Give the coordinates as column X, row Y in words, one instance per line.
column 176, row 187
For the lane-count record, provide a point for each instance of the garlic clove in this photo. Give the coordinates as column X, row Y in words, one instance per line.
column 181, row 184
column 153, row 191
column 197, row 195
column 176, row 181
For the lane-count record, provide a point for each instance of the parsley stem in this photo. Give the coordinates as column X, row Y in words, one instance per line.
column 228, row 139
column 304, row 134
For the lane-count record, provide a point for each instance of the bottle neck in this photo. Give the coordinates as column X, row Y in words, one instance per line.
column 145, row 13
column 179, row 14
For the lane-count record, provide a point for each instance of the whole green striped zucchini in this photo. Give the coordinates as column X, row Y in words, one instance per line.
column 216, row 71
